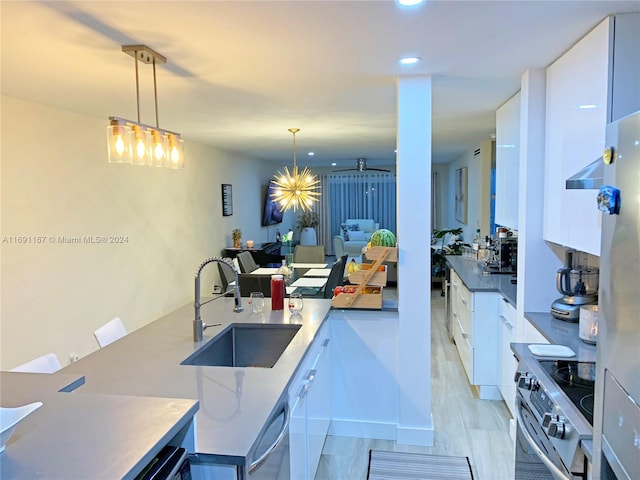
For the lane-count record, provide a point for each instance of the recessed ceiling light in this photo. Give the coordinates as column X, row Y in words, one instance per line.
column 588, row 106
column 410, row 60
column 311, row 154
column 410, row 3
column 333, row 164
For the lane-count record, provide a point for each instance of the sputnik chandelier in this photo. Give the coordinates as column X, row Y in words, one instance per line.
column 137, row 143
column 295, row 189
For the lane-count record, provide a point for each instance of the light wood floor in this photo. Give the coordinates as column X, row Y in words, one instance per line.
column 464, row 425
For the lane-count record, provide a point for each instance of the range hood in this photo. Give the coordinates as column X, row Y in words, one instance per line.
column 590, row 177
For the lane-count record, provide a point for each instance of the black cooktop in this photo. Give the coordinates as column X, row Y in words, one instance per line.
column 576, row 380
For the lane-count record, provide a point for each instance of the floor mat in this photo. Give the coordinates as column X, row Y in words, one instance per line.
column 417, row 466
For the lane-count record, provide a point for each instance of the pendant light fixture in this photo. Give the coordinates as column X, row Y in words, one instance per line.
column 295, row 189
column 137, row 143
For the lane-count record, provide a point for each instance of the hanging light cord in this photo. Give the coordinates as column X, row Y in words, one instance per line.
column 294, row 131
column 137, row 85
column 155, row 91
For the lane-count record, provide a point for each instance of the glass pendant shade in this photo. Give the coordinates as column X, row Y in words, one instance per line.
column 176, row 154
column 140, row 146
column 118, row 142
column 159, row 149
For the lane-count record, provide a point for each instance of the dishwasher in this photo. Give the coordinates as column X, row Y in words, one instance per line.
column 269, row 458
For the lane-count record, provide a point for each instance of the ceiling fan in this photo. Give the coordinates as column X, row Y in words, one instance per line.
column 361, row 166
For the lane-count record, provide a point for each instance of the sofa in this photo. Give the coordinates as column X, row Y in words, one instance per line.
column 355, row 233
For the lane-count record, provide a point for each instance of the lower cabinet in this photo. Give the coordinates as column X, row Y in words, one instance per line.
column 508, row 333
column 310, row 408
column 474, row 326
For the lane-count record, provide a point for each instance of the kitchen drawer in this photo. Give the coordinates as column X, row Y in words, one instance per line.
column 466, row 298
column 464, row 348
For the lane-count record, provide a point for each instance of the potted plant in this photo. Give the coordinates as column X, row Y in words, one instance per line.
column 438, row 260
column 236, row 236
column 307, row 222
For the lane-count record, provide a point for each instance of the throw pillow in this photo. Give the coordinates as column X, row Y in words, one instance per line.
column 357, row 236
column 345, row 232
column 354, row 227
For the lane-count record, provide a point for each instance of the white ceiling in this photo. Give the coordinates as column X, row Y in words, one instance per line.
column 240, row 73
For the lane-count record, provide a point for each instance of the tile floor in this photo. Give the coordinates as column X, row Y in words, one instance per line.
column 464, row 424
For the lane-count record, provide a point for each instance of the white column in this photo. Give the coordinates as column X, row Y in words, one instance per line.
column 415, row 424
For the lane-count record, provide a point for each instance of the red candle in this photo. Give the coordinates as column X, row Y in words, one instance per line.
column 277, row 292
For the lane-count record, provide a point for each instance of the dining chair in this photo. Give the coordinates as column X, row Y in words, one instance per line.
column 309, row 254
column 254, row 283
column 336, row 277
column 247, row 263
column 110, row 332
column 47, row 363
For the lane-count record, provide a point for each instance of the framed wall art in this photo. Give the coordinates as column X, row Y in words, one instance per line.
column 227, row 200
column 461, row 194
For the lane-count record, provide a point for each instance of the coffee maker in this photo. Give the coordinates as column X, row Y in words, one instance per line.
column 578, row 284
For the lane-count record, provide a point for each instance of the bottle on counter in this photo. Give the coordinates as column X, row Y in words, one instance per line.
column 277, row 292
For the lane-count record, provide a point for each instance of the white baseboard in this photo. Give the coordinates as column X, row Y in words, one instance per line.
column 360, row 429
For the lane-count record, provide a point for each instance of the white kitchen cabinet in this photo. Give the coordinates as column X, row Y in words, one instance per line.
column 576, row 113
column 507, row 317
column 475, row 330
column 310, row 408
column 507, row 162
column 365, row 389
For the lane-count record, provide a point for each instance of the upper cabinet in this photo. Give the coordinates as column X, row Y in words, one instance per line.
column 624, row 70
column 507, row 162
column 576, row 117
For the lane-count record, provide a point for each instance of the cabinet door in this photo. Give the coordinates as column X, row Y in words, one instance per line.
column 508, row 364
column 508, row 162
column 318, row 407
column 575, row 133
column 298, row 433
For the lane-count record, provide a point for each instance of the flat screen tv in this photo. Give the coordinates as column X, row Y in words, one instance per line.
column 271, row 215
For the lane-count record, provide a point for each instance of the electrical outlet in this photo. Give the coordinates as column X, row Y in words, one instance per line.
column 73, row 358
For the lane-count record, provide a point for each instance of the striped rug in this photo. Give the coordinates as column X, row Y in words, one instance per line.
column 417, row 466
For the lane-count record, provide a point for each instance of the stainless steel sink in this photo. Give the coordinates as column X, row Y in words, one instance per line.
column 245, row 345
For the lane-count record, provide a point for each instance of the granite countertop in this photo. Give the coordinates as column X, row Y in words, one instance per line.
column 78, row 435
column 559, row 332
column 235, row 403
column 477, row 281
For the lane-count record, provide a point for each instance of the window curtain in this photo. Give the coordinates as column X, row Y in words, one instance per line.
column 356, row 195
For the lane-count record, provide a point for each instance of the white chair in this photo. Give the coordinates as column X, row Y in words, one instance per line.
column 47, row 363
column 110, row 332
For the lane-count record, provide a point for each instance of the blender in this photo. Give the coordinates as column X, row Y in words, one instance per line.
column 578, row 285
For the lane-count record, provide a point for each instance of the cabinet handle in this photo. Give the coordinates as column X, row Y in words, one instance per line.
column 464, row 302
column 509, row 326
column 502, row 318
column 505, row 300
column 312, row 376
column 326, row 342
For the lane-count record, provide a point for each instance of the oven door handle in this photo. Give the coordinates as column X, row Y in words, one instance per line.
column 555, row 471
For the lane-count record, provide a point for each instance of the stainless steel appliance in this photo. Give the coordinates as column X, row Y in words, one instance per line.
column 172, row 463
column 502, row 257
column 616, row 452
column 578, row 284
column 269, row 457
column 446, row 290
column 554, row 411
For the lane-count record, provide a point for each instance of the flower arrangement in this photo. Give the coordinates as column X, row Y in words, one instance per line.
column 309, row 220
column 287, row 239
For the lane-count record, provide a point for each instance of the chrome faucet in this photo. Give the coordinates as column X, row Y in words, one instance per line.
column 198, row 325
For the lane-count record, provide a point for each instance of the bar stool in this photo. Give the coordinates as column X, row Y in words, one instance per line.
column 110, row 332
column 47, row 363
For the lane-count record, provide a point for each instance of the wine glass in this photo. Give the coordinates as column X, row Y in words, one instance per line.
column 256, row 300
column 295, row 303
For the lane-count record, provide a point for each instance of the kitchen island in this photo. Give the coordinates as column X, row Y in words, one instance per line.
column 235, row 403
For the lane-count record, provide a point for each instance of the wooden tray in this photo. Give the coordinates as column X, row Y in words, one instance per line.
column 373, row 253
column 359, row 300
column 379, row 278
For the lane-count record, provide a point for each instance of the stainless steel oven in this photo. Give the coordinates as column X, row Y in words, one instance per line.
column 554, row 412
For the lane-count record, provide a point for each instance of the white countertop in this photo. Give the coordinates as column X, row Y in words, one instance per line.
column 235, row 403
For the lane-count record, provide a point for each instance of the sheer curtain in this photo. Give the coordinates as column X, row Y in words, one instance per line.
column 356, row 195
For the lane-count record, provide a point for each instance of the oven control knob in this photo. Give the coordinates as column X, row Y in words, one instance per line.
column 519, row 373
column 557, row 429
column 548, row 418
column 527, row 382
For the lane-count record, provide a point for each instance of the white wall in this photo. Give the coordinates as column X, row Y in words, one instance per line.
column 478, row 191
column 56, row 182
